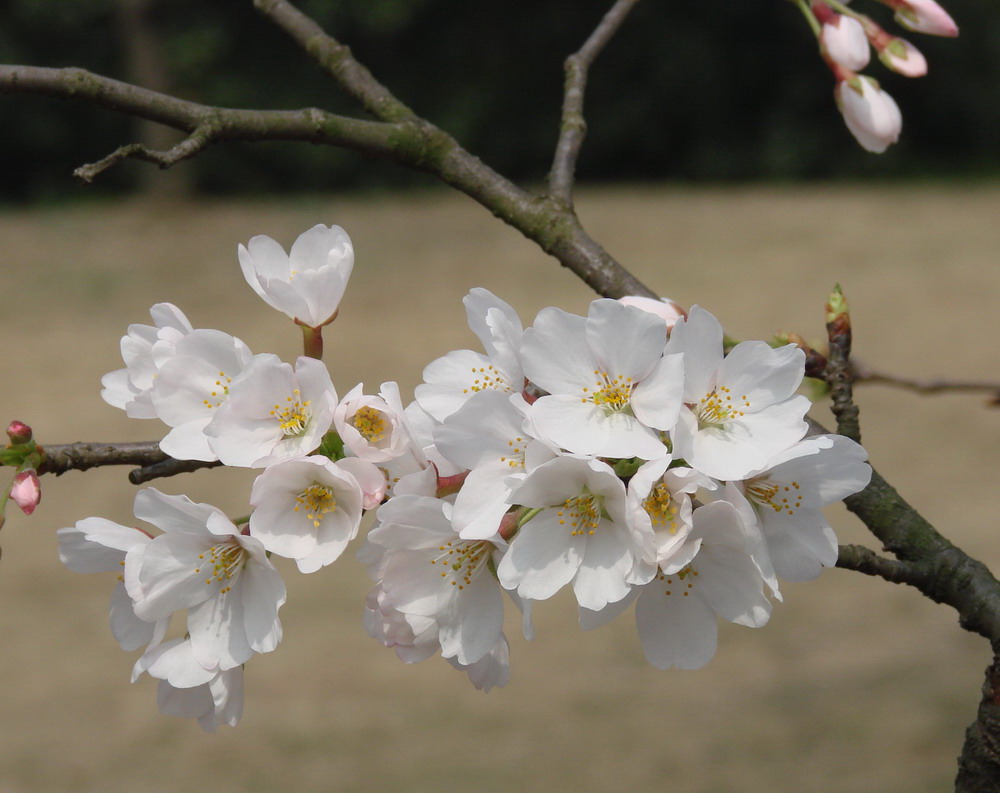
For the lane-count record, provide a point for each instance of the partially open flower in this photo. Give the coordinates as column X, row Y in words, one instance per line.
column 307, row 283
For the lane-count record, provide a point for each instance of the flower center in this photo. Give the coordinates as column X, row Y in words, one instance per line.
column 226, row 558
column 294, row 415
column 219, row 393
column 679, row 583
column 370, row 423
column 318, row 501
column 718, row 407
column 776, row 496
column 462, row 561
column 612, row 394
column 661, row 507
column 583, row 514
column 485, row 377
column 516, row 460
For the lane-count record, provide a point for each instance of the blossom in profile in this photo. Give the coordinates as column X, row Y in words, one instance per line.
column 204, row 564
column 190, row 384
column 451, row 380
column 189, row 690
column 871, row 115
column 96, row 545
column 308, row 282
column 129, row 388
column 426, row 570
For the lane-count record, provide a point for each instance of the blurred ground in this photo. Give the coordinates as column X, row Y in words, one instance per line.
column 855, row 685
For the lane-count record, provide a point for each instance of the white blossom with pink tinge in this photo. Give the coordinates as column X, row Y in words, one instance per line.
column 308, row 283
column 871, row 115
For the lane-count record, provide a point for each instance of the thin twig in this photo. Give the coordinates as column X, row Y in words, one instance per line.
column 188, row 147
column 573, row 126
column 865, row 374
column 838, row 369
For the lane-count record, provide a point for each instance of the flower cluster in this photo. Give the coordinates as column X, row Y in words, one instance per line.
column 846, row 39
column 623, row 454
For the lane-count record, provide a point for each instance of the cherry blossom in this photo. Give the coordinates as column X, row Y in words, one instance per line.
column 428, row 571
column 273, row 412
column 129, row 388
column 96, row 545
column 739, row 409
column 714, row 576
column 452, row 379
column 787, row 496
column 580, row 535
column 307, row 283
column 307, row 509
column 189, row 690
column 203, row 563
column 610, row 387
column 190, row 384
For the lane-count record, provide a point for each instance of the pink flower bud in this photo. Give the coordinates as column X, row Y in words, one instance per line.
column 901, row 56
column 843, row 40
column 924, row 16
column 18, row 432
column 869, row 112
column 26, row 490
column 666, row 309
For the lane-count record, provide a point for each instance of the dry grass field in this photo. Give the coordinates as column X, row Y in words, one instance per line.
column 854, row 686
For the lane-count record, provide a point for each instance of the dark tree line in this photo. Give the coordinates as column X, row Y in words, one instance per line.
column 691, row 90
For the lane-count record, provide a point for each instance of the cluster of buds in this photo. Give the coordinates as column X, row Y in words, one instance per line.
column 622, row 454
column 846, row 39
column 23, row 454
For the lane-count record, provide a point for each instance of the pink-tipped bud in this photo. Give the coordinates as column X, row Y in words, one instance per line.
column 665, row 309
column 924, row 16
column 869, row 112
column 26, row 490
column 18, row 432
column 901, row 56
column 842, row 39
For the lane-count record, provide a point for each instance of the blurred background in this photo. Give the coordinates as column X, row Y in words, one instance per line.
column 717, row 169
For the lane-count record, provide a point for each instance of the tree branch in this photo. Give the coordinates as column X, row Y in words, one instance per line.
column 865, row 374
column 573, row 126
column 153, row 463
column 337, row 61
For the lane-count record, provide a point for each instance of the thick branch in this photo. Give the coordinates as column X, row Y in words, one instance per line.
column 573, row 126
column 151, row 461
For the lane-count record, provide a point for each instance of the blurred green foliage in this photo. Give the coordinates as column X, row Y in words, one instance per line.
column 692, row 89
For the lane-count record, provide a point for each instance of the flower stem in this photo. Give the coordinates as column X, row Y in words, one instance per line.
column 312, row 342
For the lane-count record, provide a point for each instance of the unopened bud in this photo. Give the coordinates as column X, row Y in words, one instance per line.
column 902, row 57
column 18, row 432
column 923, row 16
column 26, row 490
column 666, row 309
